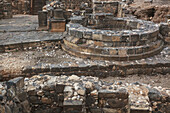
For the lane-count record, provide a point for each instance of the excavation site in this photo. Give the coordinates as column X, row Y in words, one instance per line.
column 84, row 56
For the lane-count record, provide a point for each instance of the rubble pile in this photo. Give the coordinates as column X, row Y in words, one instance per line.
column 84, row 94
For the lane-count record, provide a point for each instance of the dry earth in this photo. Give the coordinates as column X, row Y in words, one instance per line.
column 156, row 12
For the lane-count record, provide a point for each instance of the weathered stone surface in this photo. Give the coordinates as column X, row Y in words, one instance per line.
column 154, row 94
column 16, row 82
column 117, row 103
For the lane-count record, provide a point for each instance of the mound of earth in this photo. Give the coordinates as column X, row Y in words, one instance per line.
column 155, row 13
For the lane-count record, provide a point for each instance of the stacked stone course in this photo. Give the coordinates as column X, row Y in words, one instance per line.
column 124, row 39
column 67, row 94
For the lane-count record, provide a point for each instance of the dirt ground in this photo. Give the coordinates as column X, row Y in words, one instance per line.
column 155, row 80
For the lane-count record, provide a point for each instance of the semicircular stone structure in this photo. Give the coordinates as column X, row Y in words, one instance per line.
column 107, row 38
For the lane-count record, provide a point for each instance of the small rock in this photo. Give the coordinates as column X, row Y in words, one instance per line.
column 81, row 92
column 74, row 98
column 46, row 100
column 74, row 78
column 40, row 93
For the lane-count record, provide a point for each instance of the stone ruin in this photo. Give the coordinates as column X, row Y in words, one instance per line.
column 97, row 30
column 90, row 35
column 74, row 94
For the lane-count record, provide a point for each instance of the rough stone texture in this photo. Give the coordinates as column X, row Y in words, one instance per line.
column 124, row 39
column 155, row 13
column 19, row 23
column 40, row 94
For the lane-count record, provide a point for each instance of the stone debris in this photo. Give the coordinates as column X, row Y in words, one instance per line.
column 99, row 29
column 81, row 94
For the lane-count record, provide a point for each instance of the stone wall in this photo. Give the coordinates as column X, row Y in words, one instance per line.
column 125, row 39
column 25, row 46
column 106, row 7
column 21, row 6
column 67, row 94
column 5, row 9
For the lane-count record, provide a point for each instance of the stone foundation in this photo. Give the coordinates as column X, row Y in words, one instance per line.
column 67, row 94
column 124, row 39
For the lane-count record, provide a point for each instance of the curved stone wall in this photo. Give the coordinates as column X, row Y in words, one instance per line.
column 108, row 38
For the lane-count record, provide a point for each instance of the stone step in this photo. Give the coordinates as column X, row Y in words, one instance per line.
column 109, row 43
column 123, row 57
column 121, row 51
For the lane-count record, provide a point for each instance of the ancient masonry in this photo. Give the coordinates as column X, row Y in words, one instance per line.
column 116, row 44
column 73, row 94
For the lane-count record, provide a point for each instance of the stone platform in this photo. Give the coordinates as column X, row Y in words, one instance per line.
column 19, row 23
column 25, row 53
column 124, row 39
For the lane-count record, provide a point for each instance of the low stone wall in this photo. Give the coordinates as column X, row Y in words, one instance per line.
column 100, row 71
column 67, row 94
column 46, row 44
column 106, row 7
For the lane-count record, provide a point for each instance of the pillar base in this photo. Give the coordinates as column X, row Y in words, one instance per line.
column 58, row 25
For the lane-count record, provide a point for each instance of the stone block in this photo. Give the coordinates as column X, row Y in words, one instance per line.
column 74, row 106
column 115, row 38
column 154, row 94
column 139, row 111
column 22, row 96
column 134, row 38
column 164, row 29
column 122, row 93
column 97, row 37
column 96, row 110
column 34, row 100
column 42, row 20
column 87, row 35
column 122, row 52
column 106, row 37
column 109, row 110
column 58, row 25
column 113, row 52
column 26, row 106
column 17, row 83
column 72, row 103
column 98, row 43
column 117, row 103
column 60, row 88
column 58, row 14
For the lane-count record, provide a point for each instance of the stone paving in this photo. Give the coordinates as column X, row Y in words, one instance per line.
column 27, row 37
column 19, row 23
